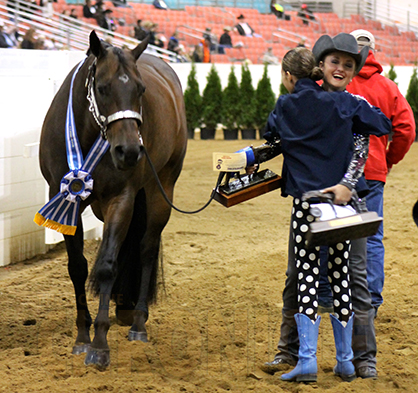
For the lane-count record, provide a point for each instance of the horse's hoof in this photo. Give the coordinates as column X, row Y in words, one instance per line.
column 137, row 336
column 97, row 357
column 80, row 348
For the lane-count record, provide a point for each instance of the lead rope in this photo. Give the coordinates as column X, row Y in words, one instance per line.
column 160, row 186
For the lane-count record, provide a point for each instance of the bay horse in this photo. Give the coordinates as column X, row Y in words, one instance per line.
column 133, row 102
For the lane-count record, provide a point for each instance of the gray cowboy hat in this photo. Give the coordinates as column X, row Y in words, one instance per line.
column 342, row 42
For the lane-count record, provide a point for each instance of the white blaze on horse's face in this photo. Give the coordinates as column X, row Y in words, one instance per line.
column 124, row 78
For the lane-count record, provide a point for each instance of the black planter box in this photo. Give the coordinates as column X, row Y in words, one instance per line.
column 248, row 133
column 231, row 134
column 207, row 133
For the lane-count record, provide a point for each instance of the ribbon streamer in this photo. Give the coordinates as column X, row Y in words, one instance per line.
column 61, row 212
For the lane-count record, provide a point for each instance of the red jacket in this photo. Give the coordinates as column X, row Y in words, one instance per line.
column 384, row 94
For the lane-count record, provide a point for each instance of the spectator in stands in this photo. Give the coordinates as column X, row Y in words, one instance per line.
column 301, row 43
column 269, row 58
column 5, row 41
column 29, row 39
column 182, row 55
column 64, row 16
column 73, row 13
column 89, row 11
column 12, row 32
column 212, row 39
column 384, row 94
column 305, row 14
column 277, row 9
column 99, row 6
column 197, row 55
column 243, row 27
column 154, row 38
column 173, row 43
column 160, row 4
column 119, row 3
column 206, row 50
column 105, row 20
column 40, row 43
column 225, row 40
column 139, row 32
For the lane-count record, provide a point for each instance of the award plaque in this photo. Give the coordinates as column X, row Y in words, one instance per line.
column 242, row 188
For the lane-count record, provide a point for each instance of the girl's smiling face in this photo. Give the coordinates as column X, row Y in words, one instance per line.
column 338, row 68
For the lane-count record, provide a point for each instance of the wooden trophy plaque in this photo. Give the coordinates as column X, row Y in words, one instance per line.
column 247, row 187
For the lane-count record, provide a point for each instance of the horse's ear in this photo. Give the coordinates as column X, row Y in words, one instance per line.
column 96, row 47
column 136, row 52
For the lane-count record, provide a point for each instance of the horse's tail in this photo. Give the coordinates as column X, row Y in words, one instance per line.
column 128, row 280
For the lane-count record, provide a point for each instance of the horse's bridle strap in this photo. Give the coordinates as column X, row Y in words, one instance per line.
column 128, row 114
column 101, row 120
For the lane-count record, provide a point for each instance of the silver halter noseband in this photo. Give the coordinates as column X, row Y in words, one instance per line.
column 103, row 121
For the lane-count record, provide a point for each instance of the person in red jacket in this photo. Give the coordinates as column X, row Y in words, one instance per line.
column 383, row 154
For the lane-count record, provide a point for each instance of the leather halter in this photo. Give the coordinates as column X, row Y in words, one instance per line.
column 103, row 121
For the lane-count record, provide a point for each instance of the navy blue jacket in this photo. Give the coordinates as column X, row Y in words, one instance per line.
column 315, row 129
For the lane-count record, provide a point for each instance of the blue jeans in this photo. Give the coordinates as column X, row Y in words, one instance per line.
column 375, row 248
column 325, row 298
column 375, row 254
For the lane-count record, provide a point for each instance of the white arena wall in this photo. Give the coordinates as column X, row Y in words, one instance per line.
column 28, row 82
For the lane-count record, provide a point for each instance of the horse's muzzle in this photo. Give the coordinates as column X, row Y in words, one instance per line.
column 127, row 156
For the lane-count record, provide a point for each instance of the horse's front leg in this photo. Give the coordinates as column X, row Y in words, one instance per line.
column 78, row 271
column 102, row 277
column 158, row 214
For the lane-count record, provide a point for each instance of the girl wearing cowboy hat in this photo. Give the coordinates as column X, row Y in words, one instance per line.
column 340, row 61
column 316, row 157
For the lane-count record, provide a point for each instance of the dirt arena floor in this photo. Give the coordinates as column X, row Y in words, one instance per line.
column 218, row 315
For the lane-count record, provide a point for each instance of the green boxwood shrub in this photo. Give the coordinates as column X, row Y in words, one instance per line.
column 265, row 100
column 193, row 101
column 230, row 102
column 212, row 100
column 246, row 98
column 412, row 94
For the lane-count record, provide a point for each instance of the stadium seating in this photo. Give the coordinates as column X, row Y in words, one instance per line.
column 393, row 46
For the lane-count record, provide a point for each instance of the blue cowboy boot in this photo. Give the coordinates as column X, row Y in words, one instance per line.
column 306, row 369
column 342, row 337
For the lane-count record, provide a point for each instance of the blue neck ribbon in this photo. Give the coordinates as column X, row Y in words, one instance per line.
column 61, row 213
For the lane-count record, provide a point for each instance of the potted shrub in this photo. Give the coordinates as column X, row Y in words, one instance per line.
column 392, row 75
column 412, row 95
column 265, row 100
column 193, row 103
column 230, row 106
column 211, row 104
column 246, row 98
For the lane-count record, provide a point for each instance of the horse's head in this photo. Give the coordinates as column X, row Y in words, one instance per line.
column 117, row 90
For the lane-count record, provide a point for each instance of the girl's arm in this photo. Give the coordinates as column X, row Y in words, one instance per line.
column 358, row 161
column 342, row 191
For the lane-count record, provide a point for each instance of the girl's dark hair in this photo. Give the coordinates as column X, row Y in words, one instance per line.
column 301, row 63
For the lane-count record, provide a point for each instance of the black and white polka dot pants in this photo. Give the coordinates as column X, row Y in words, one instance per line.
column 307, row 263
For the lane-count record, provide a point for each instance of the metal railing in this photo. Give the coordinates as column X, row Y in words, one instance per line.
column 285, row 36
column 405, row 19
